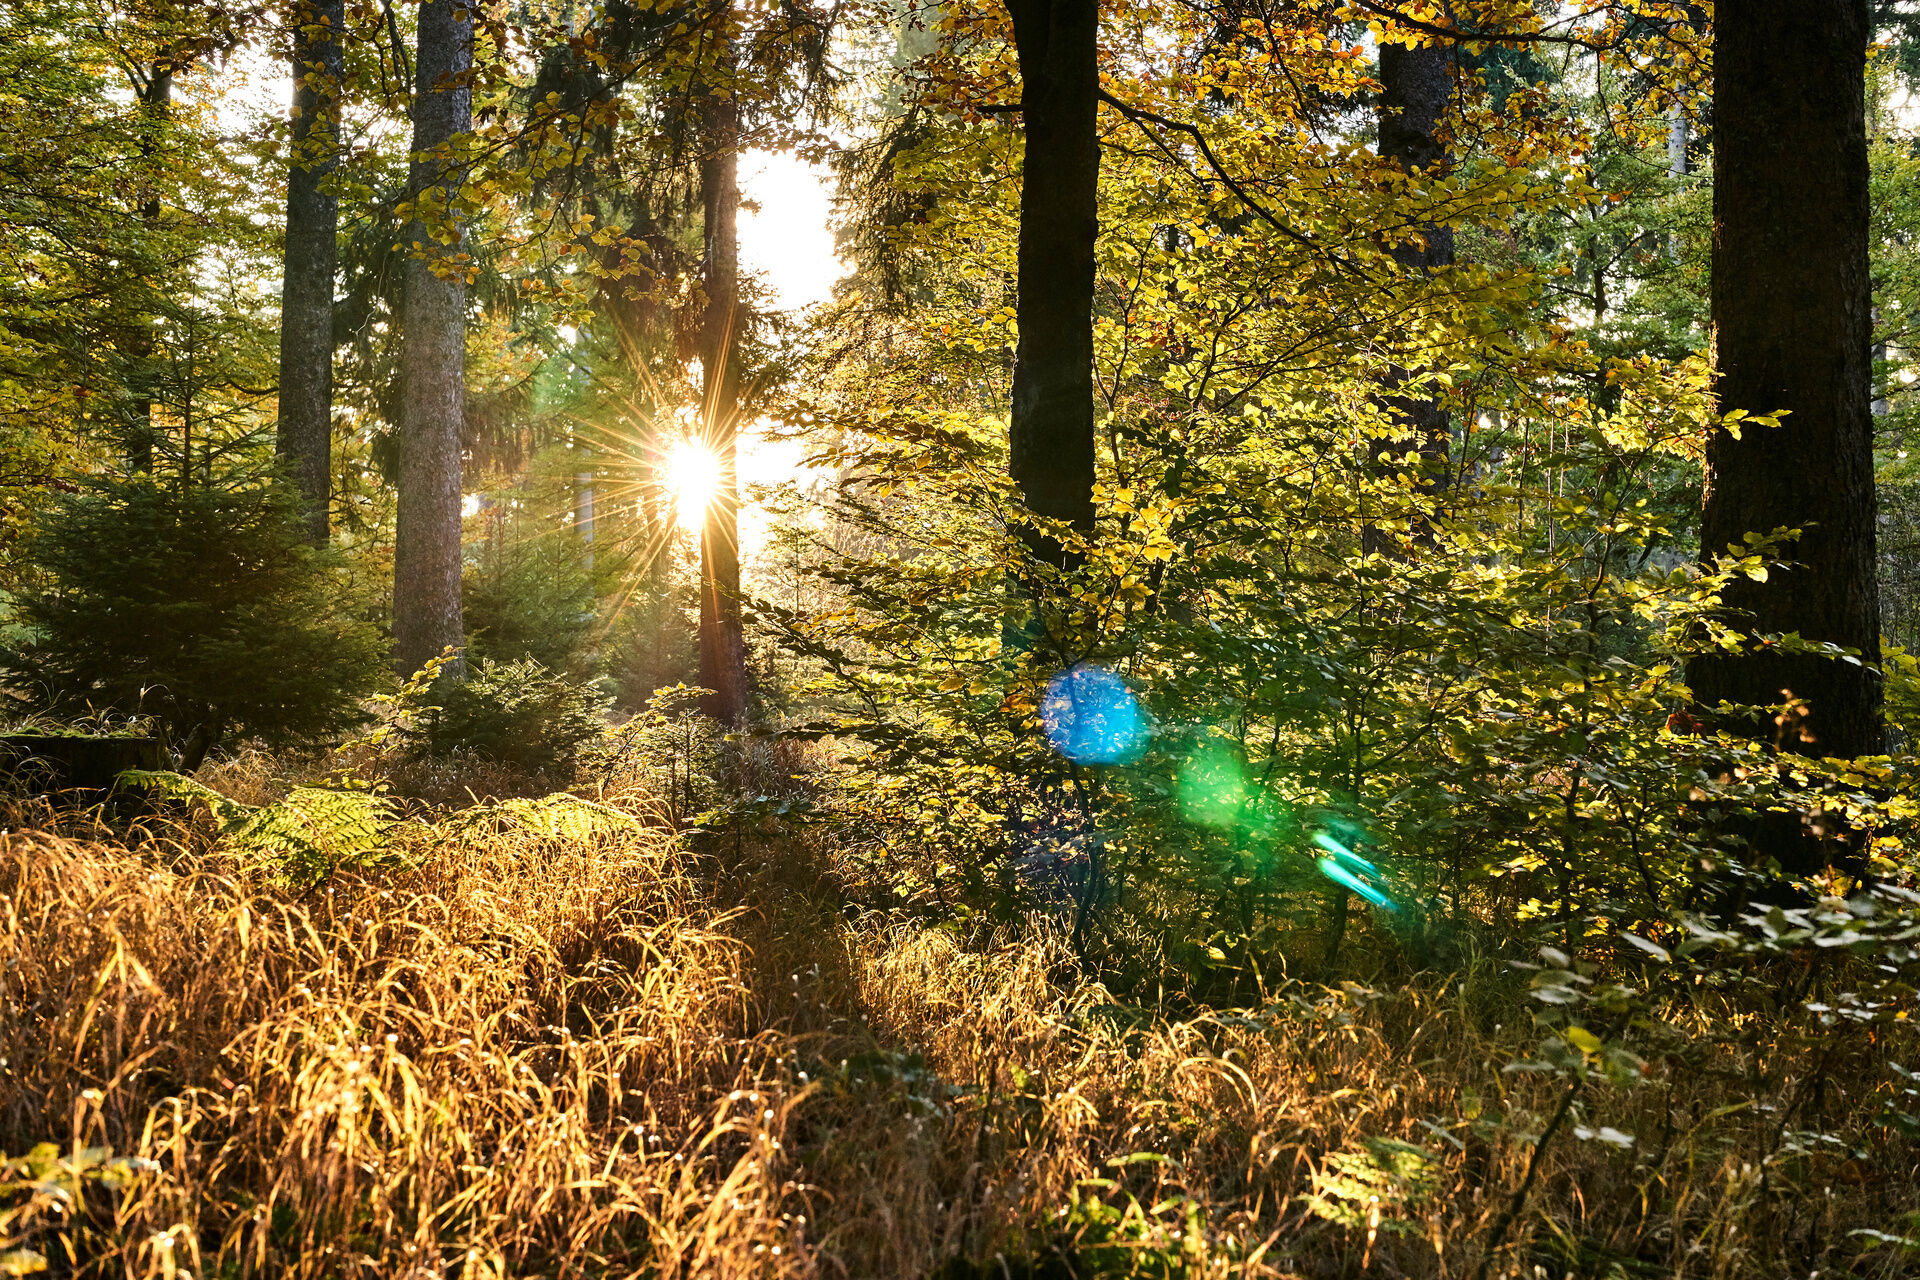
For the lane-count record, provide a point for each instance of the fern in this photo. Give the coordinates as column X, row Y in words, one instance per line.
column 562, row 817
column 303, row 839
column 1373, row 1186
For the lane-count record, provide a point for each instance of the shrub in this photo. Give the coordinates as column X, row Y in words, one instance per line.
column 654, row 644
column 516, row 713
column 531, row 598
column 203, row 607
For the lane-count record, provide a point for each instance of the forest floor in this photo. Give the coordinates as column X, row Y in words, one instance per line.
column 550, row 1040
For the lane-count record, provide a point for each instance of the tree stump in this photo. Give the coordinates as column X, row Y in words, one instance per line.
column 74, row 766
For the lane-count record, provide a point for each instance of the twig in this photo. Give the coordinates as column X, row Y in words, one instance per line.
column 1142, row 117
column 1498, row 1235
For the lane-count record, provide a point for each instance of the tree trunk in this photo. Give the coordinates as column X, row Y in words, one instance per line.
column 1416, row 84
column 433, row 312
column 156, row 97
column 305, row 440
column 1791, row 329
column 1050, row 438
column 723, row 662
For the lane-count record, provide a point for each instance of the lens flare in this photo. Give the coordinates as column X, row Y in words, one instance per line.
column 1346, row 868
column 1091, row 717
column 692, row 476
column 1212, row 789
column 1340, row 875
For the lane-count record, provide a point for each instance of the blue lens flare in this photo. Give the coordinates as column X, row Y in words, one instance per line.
column 1347, row 868
column 1091, row 717
column 1333, row 871
column 1344, row 854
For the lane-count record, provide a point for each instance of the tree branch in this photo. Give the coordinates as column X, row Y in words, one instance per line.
column 1141, row 117
column 1462, row 36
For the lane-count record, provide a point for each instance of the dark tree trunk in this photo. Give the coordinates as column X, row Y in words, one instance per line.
column 1416, row 85
column 156, row 97
column 1792, row 330
column 723, row 664
column 1051, row 434
column 305, row 440
column 433, row 312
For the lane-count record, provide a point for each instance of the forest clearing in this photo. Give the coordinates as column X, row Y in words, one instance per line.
column 959, row 639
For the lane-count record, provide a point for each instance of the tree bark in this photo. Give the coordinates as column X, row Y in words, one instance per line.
column 426, row 568
column 723, row 663
column 1050, row 437
column 1791, row 306
column 156, row 97
column 305, row 440
column 1416, row 84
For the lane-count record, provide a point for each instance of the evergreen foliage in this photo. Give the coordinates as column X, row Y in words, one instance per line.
column 532, row 599
column 200, row 606
column 515, row 713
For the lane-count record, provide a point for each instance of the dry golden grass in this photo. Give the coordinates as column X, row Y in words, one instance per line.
column 525, row 1056
column 529, row 1056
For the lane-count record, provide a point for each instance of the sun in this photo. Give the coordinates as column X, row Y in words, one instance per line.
column 692, row 476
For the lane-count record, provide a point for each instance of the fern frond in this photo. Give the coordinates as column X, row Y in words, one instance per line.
column 303, row 839
column 566, row 817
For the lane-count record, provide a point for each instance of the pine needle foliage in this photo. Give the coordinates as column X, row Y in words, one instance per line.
column 202, row 607
column 516, row 713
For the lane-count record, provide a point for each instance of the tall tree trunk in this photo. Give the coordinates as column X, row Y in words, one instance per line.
column 433, row 313
column 1050, row 438
column 305, row 440
column 156, row 97
column 1791, row 329
column 723, row 662
column 1416, row 83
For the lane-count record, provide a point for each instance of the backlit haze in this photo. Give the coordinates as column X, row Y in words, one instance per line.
column 787, row 241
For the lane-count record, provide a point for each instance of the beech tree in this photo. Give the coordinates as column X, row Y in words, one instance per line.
column 426, row 565
column 305, row 438
column 1791, row 306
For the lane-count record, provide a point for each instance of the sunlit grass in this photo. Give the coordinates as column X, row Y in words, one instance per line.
column 533, row 1056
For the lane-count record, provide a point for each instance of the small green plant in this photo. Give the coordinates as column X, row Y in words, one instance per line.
column 303, row 839
column 1373, row 1186
column 559, row 816
column 43, row 1187
column 1108, row 1232
column 670, row 746
column 515, row 713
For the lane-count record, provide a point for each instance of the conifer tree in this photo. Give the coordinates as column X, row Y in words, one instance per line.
column 1791, row 328
column 426, row 569
column 306, row 298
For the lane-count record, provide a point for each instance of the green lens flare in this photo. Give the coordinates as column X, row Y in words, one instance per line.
column 1212, row 789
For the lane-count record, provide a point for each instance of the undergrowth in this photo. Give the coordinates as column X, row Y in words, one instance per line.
column 541, row 1040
